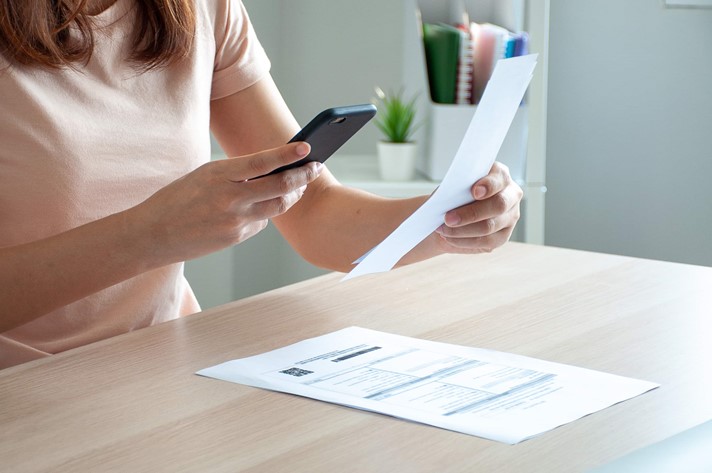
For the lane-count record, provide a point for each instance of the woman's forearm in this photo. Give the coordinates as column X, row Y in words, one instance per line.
column 43, row 275
column 217, row 205
column 333, row 225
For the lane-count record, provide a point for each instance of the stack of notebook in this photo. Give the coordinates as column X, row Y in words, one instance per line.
column 460, row 58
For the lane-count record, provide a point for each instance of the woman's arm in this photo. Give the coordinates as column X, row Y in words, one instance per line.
column 213, row 207
column 332, row 225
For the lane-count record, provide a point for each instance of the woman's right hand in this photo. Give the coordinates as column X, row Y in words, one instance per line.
column 221, row 203
column 215, row 206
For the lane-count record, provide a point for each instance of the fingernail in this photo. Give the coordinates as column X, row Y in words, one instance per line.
column 452, row 219
column 480, row 192
column 302, row 149
column 319, row 167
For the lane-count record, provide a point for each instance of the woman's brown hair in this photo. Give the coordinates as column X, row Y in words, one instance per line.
column 36, row 32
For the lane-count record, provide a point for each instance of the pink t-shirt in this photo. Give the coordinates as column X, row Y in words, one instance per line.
column 78, row 145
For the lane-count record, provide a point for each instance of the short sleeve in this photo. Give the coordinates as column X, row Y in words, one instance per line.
column 240, row 60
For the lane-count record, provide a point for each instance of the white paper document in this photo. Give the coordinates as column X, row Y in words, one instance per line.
column 494, row 395
column 473, row 160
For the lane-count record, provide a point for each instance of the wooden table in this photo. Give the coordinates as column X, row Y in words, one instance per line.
column 133, row 403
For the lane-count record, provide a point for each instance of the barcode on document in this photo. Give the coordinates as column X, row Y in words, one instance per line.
column 296, row 372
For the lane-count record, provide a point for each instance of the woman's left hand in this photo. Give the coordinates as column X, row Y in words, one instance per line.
column 488, row 222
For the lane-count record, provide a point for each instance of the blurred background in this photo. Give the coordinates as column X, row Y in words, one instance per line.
column 627, row 130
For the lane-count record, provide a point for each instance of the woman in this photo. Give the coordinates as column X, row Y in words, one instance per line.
column 106, row 185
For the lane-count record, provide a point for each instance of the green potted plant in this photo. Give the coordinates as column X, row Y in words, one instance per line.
column 397, row 152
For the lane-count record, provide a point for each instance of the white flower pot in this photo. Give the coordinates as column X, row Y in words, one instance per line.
column 396, row 161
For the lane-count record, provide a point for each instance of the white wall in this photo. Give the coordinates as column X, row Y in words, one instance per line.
column 629, row 161
column 327, row 53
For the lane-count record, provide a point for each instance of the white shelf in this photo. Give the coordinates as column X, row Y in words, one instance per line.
column 361, row 172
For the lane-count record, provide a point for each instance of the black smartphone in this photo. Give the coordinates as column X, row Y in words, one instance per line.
column 329, row 130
